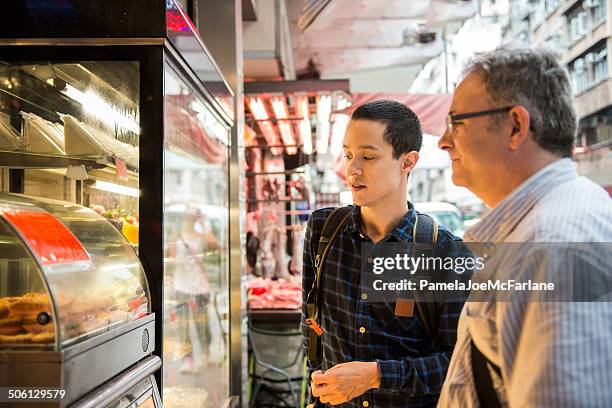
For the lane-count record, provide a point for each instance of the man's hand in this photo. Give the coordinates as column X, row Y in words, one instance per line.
column 345, row 381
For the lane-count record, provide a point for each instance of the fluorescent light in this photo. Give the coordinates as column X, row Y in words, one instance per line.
column 269, row 133
column 306, row 136
column 279, row 107
column 338, row 129
column 287, row 135
column 258, row 109
column 323, row 108
column 322, row 137
column 302, row 109
column 116, row 188
column 95, row 105
column 286, row 131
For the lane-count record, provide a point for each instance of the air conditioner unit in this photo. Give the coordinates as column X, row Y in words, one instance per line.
column 591, row 3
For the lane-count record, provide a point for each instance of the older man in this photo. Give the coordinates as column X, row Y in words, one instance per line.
column 509, row 135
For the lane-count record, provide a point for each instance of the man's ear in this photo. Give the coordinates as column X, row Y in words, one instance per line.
column 521, row 124
column 409, row 160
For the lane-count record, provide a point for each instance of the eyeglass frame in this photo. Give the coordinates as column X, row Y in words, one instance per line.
column 451, row 119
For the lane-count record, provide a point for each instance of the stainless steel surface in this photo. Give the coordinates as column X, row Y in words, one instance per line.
column 86, row 371
column 81, row 41
column 80, row 368
column 94, row 342
column 119, row 385
column 237, row 199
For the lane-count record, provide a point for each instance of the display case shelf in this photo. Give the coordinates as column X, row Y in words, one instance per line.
column 27, row 160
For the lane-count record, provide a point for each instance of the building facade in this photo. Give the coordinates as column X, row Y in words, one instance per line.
column 580, row 31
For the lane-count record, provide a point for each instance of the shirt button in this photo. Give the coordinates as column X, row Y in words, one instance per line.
column 362, row 330
column 364, row 296
column 365, row 404
column 370, row 260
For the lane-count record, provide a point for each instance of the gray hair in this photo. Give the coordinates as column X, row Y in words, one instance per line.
column 534, row 78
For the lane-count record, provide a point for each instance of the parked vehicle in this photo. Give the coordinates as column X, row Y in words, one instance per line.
column 445, row 214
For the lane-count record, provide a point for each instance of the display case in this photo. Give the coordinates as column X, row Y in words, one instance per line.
column 72, row 293
column 119, row 109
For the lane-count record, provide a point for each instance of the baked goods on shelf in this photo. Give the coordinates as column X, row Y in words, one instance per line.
column 4, row 311
column 30, row 304
column 10, row 325
column 28, row 319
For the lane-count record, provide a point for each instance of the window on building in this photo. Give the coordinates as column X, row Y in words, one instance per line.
column 600, row 64
column 550, row 5
column 577, row 24
column 598, row 9
column 579, row 75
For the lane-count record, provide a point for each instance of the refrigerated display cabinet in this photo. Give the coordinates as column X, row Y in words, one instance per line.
column 74, row 298
column 118, row 107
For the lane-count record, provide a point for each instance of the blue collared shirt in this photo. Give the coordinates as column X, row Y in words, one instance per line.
column 550, row 354
column 412, row 366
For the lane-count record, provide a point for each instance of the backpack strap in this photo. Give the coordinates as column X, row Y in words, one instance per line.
column 332, row 226
column 424, row 240
column 487, row 396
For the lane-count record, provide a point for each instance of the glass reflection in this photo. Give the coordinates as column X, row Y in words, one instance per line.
column 196, row 246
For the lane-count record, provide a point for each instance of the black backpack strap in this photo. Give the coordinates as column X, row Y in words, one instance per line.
column 424, row 240
column 482, row 378
column 332, row 226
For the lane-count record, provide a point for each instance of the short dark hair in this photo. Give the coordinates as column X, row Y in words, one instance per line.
column 402, row 126
column 532, row 77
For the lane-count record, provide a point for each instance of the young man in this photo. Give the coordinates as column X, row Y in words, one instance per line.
column 373, row 355
column 510, row 133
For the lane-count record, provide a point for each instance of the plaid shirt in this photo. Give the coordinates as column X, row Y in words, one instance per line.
column 412, row 368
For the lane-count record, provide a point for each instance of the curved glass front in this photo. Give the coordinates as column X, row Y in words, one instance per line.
column 24, row 302
column 96, row 280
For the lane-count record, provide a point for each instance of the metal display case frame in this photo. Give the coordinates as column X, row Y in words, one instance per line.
column 148, row 32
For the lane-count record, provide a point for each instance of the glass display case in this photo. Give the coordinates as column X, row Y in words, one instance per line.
column 70, row 131
column 69, row 282
column 196, row 270
column 117, row 110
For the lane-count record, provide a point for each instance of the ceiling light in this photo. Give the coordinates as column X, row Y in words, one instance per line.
column 116, row 188
column 279, row 107
column 306, row 136
column 322, row 137
column 258, row 109
column 288, row 139
column 302, row 109
column 338, row 129
column 323, row 108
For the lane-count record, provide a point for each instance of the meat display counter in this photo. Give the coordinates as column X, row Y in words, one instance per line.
column 74, row 306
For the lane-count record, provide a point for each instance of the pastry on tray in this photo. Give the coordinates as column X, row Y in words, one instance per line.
column 4, row 310
column 42, row 338
column 32, row 324
column 16, row 339
column 10, row 325
column 31, row 303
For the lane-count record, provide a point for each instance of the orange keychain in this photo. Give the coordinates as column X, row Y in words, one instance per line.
column 314, row 326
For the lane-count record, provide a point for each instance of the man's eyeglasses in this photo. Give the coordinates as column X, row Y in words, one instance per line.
column 454, row 119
